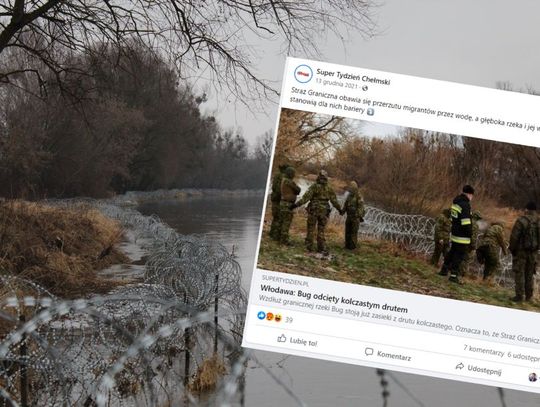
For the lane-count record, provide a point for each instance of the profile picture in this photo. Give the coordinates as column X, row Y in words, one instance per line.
column 533, row 377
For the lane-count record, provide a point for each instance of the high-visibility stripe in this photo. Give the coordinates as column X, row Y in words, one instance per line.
column 456, row 208
column 466, row 221
column 461, row 240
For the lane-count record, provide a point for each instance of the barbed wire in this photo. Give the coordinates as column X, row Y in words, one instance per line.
column 140, row 345
column 416, row 234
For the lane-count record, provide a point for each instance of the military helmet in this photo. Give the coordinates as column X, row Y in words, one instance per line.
column 477, row 215
column 290, row 172
column 322, row 178
column 353, row 186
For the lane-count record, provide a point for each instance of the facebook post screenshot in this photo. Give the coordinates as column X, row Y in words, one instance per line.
column 400, row 227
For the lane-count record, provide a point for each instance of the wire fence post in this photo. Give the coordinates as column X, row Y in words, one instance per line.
column 187, row 341
column 216, row 306
column 242, row 386
column 501, row 396
column 23, row 368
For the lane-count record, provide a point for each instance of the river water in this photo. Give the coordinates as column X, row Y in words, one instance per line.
column 234, row 221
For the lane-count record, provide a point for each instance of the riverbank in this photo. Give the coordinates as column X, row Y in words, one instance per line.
column 377, row 263
column 151, row 307
column 61, row 249
column 133, row 198
column 78, row 247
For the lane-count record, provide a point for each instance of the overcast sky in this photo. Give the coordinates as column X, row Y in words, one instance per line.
column 476, row 42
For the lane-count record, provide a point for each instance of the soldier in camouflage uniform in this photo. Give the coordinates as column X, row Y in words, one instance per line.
column 318, row 195
column 355, row 210
column 488, row 251
column 441, row 235
column 289, row 191
column 524, row 245
column 275, row 199
column 470, row 255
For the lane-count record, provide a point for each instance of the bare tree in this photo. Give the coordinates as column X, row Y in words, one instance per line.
column 263, row 151
column 201, row 37
column 307, row 137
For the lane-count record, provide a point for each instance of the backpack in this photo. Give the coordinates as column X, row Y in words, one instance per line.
column 530, row 240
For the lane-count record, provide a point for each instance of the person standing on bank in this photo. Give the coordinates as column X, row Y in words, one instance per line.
column 460, row 234
column 488, row 253
column 319, row 195
column 524, row 245
column 289, row 192
column 441, row 236
column 275, row 199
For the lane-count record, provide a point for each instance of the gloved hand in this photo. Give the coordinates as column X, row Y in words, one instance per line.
column 293, row 206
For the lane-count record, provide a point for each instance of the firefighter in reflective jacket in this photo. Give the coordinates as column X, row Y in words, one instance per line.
column 460, row 235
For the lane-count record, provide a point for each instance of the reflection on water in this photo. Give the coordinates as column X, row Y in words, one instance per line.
column 235, row 222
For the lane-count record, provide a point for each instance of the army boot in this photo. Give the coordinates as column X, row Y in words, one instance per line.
column 455, row 279
column 444, row 271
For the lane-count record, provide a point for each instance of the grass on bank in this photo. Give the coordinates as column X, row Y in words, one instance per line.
column 60, row 249
column 375, row 263
column 207, row 375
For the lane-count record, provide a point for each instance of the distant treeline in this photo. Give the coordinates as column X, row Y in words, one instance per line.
column 123, row 121
column 419, row 171
column 412, row 171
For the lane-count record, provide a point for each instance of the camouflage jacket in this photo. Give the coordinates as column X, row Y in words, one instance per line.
column 494, row 237
column 519, row 229
column 275, row 196
column 354, row 205
column 289, row 190
column 318, row 196
column 474, row 235
column 443, row 224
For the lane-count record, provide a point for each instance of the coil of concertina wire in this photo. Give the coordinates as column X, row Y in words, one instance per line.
column 126, row 348
column 415, row 234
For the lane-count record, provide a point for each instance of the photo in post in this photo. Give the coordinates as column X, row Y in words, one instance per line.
column 404, row 209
